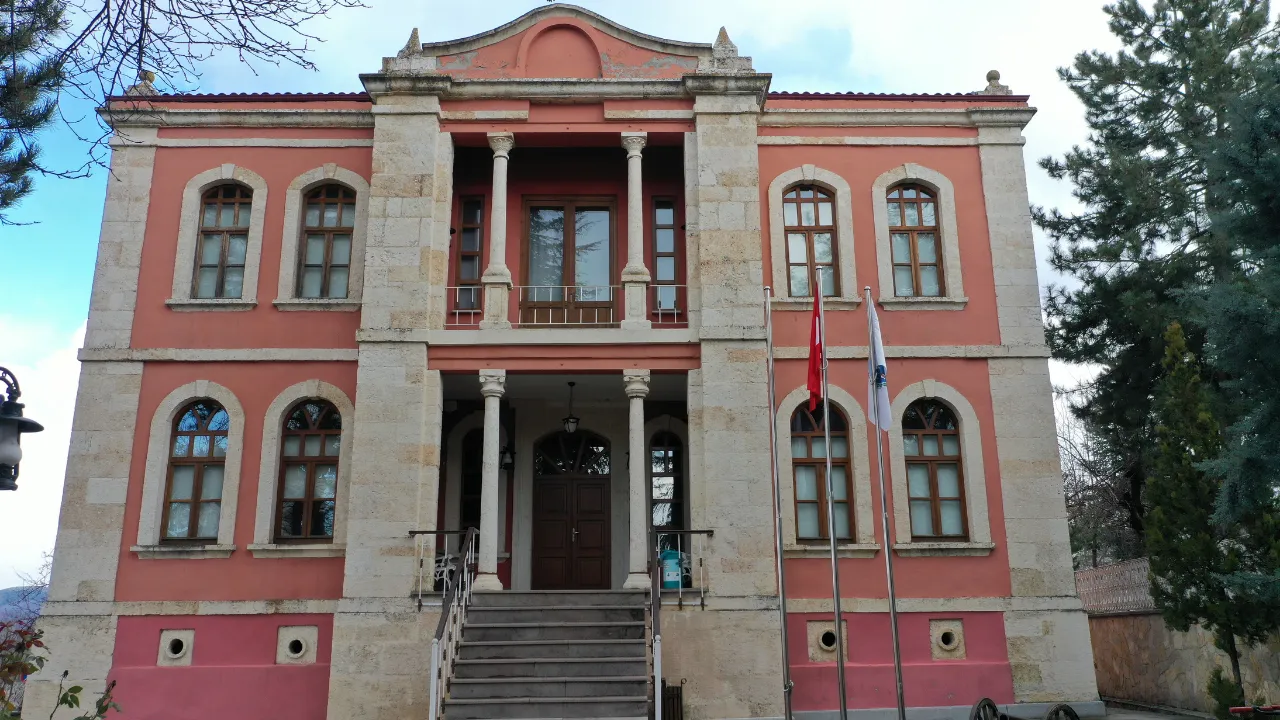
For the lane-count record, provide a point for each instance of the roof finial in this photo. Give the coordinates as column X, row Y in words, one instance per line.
column 993, row 85
column 413, row 47
column 144, row 85
column 723, row 46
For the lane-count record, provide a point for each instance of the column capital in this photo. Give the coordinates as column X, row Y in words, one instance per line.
column 634, row 142
column 493, row 383
column 637, row 383
column 501, row 143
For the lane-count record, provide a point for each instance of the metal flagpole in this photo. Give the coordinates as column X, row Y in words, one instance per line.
column 884, row 514
column 831, row 506
column 777, row 504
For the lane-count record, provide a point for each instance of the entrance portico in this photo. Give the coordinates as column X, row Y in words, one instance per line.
column 558, row 509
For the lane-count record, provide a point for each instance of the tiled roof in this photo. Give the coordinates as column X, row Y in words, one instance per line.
column 783, row 95
column 364, row 97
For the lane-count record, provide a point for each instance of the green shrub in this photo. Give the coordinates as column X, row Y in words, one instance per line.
column 1224, row 693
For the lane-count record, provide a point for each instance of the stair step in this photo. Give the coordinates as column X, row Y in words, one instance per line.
column 542, row 649
column 549, row 667
column 556, row 613
column 625, row 706
column 548, row 687
column 629, row 630
column 508, row 598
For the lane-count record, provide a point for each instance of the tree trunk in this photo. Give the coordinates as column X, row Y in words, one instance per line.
column 1234, row 653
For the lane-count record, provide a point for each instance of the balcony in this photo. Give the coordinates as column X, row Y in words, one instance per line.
column 568, row 306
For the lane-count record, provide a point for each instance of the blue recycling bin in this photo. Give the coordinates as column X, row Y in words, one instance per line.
column 671, row 569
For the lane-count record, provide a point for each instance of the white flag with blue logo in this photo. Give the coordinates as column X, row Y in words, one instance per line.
column 877, row 380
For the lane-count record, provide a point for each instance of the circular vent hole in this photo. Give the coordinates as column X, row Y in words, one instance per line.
column 176, row 648
column 948, row 639
column 296, row 647
column 828, row 640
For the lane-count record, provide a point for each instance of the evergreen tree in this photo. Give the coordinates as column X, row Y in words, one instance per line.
column 29, row 78
column 1144, row 235
column 1192, row 558
column 1243, row 316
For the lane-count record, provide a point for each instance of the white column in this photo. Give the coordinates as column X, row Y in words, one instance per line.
column 497, row 276
column 635, row 276
column 637, row 386
column 493, row 384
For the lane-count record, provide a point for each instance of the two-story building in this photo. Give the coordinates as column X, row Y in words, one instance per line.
column 518, row 285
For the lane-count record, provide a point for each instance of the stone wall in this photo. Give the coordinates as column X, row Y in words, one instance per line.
column 1139, row 658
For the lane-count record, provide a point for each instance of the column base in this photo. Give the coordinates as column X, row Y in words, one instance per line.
column 637, row 581
column 495, row 325
column 634, row 325
column 635, row 296
column 487, row 582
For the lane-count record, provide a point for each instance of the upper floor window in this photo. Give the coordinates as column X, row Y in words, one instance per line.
column 224, row 242
column 469, row 255
column 312, row 439
column 809, row 466
column 197, row 460
column 935, row 488
column 913, row 233
column 666, row 258
column 325, row 262
column 808, row 214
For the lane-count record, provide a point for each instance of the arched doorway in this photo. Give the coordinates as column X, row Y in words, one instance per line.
column 571, row 512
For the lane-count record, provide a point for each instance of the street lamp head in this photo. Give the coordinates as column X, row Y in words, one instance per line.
column 12, row 425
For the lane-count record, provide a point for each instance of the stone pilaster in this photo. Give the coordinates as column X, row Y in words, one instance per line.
column 636, row 383
column 635, row 276
column 497, row 276
column 493, row 384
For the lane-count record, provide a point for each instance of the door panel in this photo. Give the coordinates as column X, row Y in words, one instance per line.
column 552, row 522
column 591, row 547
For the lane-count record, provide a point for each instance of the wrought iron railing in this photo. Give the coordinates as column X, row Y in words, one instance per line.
column 464, row 306
column 559, row 305
column 1124, row 587
column 669, row 304
column 459, row 576
column 660, row 543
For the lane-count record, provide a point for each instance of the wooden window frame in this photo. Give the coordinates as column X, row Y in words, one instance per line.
column 933, row 461
column 312, row 196
column 677, row 255
column 570, row 204
column 675, row 471
column 309, row 498
column 820, row 466
column 460, row 254
column 913, row 232
column 811, row 264
column 244, row 207
column 197, row 482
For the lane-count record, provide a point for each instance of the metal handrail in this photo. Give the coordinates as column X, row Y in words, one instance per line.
column 655, row 607
column 453, row 615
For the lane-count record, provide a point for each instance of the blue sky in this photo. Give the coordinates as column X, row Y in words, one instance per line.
column 818, row 45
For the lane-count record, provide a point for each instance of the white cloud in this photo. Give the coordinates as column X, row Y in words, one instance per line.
column 49, row 374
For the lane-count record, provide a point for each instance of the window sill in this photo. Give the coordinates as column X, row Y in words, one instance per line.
column 307, row 550
column 183, row 552
column 335, row 304
column 806, row 304
column 924, row 303
column 846, row 550
column 198, row 305
column 943, row 549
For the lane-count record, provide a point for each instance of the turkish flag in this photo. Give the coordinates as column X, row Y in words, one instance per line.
column 816, row 355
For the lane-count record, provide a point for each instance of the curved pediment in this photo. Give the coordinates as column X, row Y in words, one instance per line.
column 563, row 41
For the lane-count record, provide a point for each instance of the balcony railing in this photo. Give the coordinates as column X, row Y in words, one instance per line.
column 669, row 304
column 465, row 306
column 568, row 305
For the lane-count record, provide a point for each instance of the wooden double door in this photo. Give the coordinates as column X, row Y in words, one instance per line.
column 571, row 487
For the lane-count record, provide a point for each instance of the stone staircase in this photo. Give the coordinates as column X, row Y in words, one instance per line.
column 552, row 654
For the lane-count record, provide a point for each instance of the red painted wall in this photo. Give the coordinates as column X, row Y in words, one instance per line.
column 869, row 676
column 232, row 673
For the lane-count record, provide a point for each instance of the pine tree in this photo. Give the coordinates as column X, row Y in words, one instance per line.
column 1193, row 559
column 1243, row 316
column 1145, row 234
column 29, row 79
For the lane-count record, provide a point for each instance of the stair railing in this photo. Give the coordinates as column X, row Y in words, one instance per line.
column 684, row 541
column 453, row 615
column 655, row 615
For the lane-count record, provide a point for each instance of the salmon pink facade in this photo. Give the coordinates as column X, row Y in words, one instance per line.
column 519, row 285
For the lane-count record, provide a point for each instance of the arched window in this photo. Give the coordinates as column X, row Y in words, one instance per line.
column 308, row 494
column 808, row 215
column 809, row 465
column 913, row 234
column 935, row 486
column 325, row 262
column 224, row 242
column 666, row 483
column 197, row 457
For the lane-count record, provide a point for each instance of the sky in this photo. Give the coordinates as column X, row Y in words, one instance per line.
column 816, row 45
